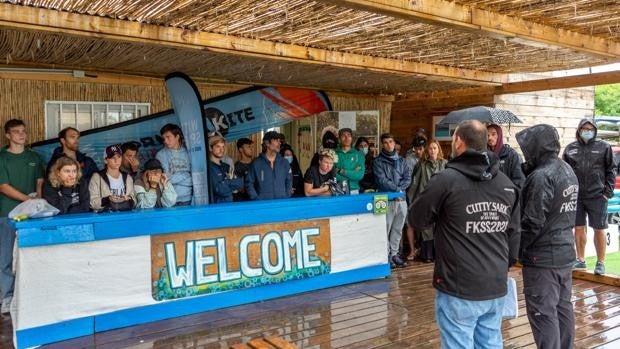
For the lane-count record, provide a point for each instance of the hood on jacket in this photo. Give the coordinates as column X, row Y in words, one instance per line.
column 329, row 140
column 583, row 122
column 479, row 166
column 538, row 143
column 499, row 146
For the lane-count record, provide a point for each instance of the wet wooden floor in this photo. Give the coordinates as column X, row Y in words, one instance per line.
column 396, row 312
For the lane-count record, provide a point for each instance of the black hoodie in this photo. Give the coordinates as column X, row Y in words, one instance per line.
column 475, row 212
column 548, row 201
column 593, row 163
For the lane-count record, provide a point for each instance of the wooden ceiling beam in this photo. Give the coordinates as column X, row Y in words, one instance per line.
column 593, row 79
column 440, row 12
column 584, row 80
column 38, row 19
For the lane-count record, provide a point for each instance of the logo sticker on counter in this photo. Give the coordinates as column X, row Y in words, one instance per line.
column 380, row 204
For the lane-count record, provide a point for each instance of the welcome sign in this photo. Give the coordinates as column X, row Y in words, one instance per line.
column 210, row 261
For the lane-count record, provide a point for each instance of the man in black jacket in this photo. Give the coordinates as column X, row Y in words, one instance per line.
column 549, row 203
column 475, row 212
column 592, row 161
column 69, row 138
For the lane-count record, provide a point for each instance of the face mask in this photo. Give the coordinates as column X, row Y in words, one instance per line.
column 289, row 159
column 586, row 135
column 364, row 150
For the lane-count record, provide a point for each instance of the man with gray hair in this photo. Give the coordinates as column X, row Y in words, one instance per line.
column 474, row 209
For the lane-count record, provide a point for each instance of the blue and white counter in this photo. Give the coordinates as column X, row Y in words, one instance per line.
column 81, row 274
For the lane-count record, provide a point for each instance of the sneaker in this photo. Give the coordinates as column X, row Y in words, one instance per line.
column 399, row 262
column 6, row 305
column 580, row 265
column 599, row 269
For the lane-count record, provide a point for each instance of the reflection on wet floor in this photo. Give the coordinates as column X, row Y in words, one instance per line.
column 396, row 312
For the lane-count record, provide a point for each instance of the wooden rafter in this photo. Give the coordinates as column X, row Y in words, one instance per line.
column 486, row 22
column 584, row 80
column 37, row 19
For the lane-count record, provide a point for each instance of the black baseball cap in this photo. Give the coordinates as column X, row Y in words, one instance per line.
column 112, row 150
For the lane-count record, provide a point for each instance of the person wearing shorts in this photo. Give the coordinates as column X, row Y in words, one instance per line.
column 592, row 161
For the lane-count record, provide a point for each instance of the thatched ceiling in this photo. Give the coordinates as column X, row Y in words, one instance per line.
column 384, row 46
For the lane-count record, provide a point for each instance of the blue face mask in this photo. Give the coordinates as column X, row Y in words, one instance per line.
column 587, row 135
column 364, row 150
column 289, row 159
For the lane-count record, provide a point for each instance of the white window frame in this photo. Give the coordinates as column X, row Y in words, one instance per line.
column 92, row 118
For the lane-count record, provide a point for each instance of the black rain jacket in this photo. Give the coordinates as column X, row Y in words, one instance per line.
column 475, row 212
column 593, row 164
column 549, row 201
column 74, row 199
column 510, row 165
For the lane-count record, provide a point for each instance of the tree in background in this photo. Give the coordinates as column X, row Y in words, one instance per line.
column 607, row 100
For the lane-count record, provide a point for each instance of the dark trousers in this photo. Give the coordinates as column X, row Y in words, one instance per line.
column 427, row 251
column 7, row 240
column 549, row 307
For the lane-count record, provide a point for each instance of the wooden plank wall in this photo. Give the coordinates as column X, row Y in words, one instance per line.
column 408, row 116
column 560, row 108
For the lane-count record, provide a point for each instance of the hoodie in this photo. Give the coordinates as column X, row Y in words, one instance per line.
column 593, row 164
column 549, row 201
column 474, row 209
column 329, row 140
column 509, row 160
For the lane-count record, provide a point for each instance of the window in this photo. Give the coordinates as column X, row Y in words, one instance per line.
column 87, row 115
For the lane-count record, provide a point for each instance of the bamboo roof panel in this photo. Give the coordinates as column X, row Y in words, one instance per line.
column 18, row 47
column 338, row 28
column 591, row 17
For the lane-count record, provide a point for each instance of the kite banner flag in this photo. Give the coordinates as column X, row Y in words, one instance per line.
column 234, row 115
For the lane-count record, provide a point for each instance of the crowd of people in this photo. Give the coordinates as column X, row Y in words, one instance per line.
column 474, row 216
column 487, row 209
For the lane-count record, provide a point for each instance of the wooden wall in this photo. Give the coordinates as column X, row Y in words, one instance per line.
column 560, row 108
column 408, row 116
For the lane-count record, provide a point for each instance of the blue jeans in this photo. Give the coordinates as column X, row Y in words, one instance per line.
column 7, row 240
column 469, row 324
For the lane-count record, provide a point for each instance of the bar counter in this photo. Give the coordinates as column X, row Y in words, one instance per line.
column 81, row 274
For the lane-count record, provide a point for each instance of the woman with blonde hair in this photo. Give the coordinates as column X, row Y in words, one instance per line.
column 432, row 162
column 64, row 187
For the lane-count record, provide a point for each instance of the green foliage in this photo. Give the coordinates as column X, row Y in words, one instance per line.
column 607, row 100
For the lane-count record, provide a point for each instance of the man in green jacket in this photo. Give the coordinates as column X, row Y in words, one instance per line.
column 350, row 166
